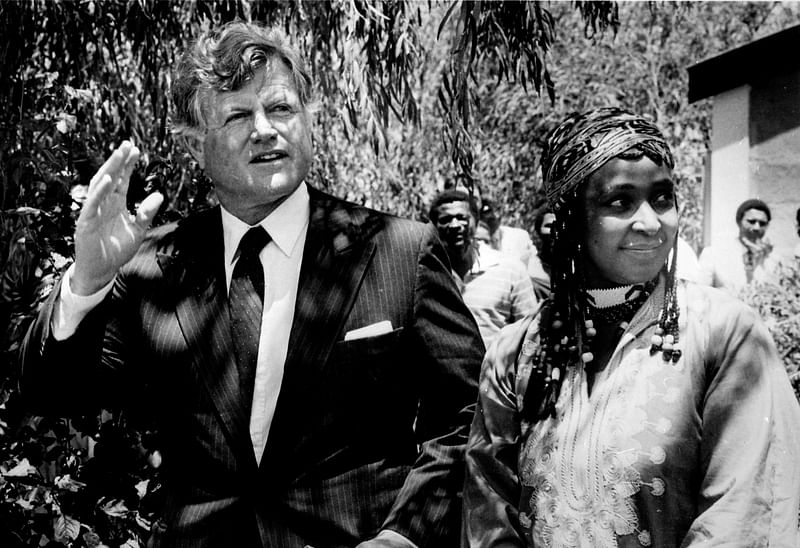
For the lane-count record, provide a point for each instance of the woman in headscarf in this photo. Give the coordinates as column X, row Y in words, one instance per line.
column 633, row 409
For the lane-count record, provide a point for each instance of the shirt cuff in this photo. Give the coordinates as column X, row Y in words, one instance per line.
column 70, row 308
column 396, row 538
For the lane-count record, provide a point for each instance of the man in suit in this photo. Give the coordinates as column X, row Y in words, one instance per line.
column 318, row 395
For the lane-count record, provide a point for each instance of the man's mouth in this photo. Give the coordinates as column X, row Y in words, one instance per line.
column 266, row 157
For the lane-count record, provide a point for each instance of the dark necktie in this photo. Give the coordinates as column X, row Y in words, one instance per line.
column 246, row 302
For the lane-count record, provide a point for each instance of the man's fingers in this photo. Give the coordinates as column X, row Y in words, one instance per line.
column 113, row 163
column 148, row 209
column 100, row 189
column 127, row 169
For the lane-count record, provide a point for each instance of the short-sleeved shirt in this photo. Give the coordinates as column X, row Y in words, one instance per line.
column 497, row 290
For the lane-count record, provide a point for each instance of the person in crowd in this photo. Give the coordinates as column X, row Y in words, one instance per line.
column 482, row 234
column 539, row 265
column 507, row 239
column 748, row 258
column 495, row 286
column 310, row 362
column 634, row 408
column 796, row 250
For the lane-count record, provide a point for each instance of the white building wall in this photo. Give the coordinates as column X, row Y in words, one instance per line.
column 730, row 164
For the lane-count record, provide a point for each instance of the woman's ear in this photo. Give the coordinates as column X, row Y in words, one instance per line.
column 195, row 145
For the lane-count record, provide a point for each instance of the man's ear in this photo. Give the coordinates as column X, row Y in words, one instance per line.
column 195, row 145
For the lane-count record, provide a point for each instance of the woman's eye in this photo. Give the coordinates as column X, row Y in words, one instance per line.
column 618, row 204
column 664, row 201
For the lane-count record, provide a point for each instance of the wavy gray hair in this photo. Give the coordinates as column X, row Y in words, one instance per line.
column 223, row 59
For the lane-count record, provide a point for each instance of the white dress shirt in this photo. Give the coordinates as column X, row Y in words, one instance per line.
column 281, row 258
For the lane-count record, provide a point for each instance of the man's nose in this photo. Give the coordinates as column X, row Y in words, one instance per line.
column 646, row 219
column 262, row 127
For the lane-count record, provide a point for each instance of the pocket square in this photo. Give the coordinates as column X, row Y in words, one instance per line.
column 371, row 330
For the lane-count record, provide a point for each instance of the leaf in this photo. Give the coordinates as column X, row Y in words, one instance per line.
column 131, row 543
column 21, row 470
column 66, row 122
column 115, row 508
column 68, row 484
column 141, row 488
column 445, row 18
column 24, row 503
column 66, row 528
column 80, row 94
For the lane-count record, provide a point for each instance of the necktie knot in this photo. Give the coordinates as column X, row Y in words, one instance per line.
column 253, row 242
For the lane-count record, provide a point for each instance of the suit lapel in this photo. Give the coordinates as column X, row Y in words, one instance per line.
column 336, row 257
column 192, row 263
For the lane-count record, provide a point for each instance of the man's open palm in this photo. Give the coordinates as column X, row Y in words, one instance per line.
column 107, row 235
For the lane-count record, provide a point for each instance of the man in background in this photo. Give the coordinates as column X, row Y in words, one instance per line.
column 745, row 259
column 496, row 287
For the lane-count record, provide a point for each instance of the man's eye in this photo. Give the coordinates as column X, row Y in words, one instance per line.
column 236, row 116
column 282, row 109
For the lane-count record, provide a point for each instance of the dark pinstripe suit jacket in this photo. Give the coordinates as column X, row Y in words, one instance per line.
column 367, row 434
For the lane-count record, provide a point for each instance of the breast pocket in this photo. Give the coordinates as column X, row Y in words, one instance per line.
column 370, row 381
column 375, row 350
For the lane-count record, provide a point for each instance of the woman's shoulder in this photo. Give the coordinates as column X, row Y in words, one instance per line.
column 717, row 319
column 713, row 304
column 503, row 352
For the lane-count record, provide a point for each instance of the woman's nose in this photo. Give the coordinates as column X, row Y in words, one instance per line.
column 646, row 219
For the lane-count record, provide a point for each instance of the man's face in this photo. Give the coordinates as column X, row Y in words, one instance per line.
column 257, row 148
column 753, row 225
column 456, row 226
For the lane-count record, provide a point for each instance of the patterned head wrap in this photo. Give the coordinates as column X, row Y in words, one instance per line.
column 584, row 142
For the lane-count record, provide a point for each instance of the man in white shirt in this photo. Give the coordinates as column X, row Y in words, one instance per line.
column 746, row 259
column 310, row 362
column 495, row 286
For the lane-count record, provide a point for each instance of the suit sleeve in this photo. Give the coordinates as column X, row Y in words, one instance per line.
column 81, row 373
column 447, row 354
column 750, row 481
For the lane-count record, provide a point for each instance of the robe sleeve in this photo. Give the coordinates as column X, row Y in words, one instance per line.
column 750, row 478
column 492, row 488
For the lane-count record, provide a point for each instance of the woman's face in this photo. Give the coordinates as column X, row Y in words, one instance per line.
column 631, row 221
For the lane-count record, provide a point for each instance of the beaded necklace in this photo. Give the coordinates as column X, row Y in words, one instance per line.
column 618, row 304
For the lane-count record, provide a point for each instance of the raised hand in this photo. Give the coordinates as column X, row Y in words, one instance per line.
column 107, row 235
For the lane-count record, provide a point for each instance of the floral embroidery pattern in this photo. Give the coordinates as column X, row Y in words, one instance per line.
column 583, row 465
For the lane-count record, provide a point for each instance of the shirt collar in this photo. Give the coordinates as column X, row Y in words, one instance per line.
column 285, row 224
column 485, row 258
